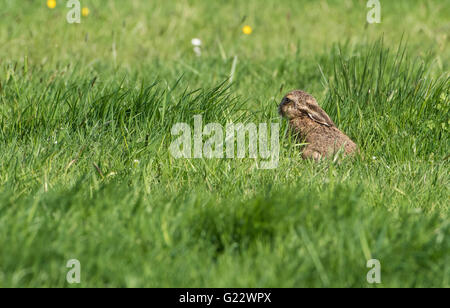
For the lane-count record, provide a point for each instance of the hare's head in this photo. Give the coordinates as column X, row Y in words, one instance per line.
column 299, row 103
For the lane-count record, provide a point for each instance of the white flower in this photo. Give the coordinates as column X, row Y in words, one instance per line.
column 196, row 42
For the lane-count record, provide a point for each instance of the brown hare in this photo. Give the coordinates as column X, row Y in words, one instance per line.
column 310, row 123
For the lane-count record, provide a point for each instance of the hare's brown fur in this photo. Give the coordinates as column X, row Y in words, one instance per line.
column 310, row 123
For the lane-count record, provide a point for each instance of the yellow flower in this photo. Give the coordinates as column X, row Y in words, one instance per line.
column 247, row 30
column 51, row 3
column 85, row 11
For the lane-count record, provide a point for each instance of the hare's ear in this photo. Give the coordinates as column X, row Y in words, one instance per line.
column 317, row 114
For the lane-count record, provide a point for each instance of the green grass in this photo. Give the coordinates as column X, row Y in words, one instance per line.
column 85, row 171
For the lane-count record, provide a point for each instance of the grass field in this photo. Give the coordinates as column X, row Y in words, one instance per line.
column 86, row 112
